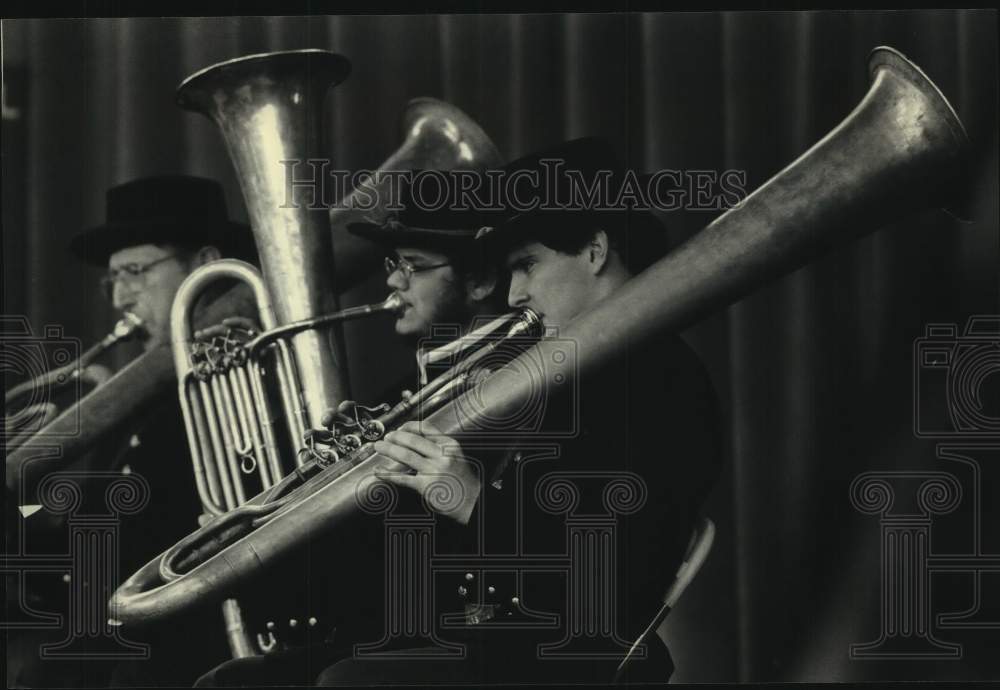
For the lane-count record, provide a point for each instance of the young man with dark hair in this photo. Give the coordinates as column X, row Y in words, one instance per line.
column 648, row 417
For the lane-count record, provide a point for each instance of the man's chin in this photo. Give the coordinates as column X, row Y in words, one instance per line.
column 150, row 341
column 409, row 334
column 405, row 328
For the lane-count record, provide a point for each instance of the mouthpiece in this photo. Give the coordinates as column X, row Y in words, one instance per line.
column 393, row 303
column 127, row 326
column 528, row 324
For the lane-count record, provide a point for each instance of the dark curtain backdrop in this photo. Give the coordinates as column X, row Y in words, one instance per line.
column 816, row 371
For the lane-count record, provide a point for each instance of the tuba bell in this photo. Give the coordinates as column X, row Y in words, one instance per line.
column 438, row 136
column 269, row 108
column 900, row 147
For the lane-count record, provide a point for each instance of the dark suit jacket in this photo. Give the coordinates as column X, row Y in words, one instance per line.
column 645, row 449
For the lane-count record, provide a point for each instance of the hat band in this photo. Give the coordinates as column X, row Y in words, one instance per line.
column 394, row 225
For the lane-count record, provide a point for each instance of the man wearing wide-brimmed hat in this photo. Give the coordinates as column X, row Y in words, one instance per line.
column 647, row 416
column 448, row 285
column 157, row 230
column 433, row 261
column 575, row 229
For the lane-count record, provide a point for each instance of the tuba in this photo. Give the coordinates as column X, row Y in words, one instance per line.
column 250, row 399
column 897, row 151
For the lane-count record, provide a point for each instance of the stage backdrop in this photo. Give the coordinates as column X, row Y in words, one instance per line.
column 816, row 371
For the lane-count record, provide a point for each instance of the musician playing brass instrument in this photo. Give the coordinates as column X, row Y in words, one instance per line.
column 650, row 415
column 901, row 149
column 158, row 230
column 446, row 285
column 648, row 418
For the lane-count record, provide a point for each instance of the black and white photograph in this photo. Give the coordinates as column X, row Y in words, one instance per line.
column 481, row 347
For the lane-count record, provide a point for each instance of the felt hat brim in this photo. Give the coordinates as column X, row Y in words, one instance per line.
column 646, row 235
column 388, row 236
column 95, row 245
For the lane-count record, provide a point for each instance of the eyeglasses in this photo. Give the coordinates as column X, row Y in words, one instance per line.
column 134, row 273
column 393, row 264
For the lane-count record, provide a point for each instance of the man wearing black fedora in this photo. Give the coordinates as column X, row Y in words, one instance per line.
column 649, row 415
column 157, row 231
column 448, row 285
column 433, row 262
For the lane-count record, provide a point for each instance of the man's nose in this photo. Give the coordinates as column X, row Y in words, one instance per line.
column 122, row 296
column 396, row 281
column 518, row 295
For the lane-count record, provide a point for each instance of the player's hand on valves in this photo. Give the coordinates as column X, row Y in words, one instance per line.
column 448, row 482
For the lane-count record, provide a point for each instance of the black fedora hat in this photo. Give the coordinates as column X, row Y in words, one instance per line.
column 547, row 199
column 433, row 216
column 176, row 209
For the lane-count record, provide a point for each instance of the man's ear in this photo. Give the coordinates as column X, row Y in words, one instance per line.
column 597, row 251
column 205, row 254
column 480, row 287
